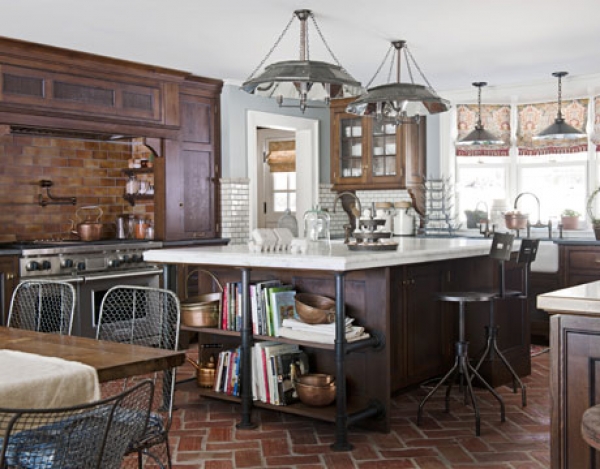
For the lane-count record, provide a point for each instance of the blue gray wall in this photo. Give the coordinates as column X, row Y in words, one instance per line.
column 236, row 103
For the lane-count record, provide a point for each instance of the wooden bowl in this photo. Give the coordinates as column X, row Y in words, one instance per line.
column 315, row 309
column 317, row 396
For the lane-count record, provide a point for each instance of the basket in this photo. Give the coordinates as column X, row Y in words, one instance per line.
column 315, row 309
column 202, row 310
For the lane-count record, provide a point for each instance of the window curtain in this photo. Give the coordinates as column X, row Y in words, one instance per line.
column 495, row 119
column 533, row 118
column 596, row 132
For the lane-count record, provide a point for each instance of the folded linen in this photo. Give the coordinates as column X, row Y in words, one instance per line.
column 31, row 381
column 319, row 328
column 295, row 334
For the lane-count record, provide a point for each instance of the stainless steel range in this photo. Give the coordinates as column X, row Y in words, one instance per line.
column 92, row 267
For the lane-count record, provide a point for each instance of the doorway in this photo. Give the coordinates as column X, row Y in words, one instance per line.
column 305, row 133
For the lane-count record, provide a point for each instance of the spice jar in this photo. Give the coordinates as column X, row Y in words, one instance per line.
column 150, row 231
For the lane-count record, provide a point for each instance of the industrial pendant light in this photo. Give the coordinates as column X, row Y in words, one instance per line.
column 559, row 129
column 480, row 136
column 302, row 79
column 399, row 102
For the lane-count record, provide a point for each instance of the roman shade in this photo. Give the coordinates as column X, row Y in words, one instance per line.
column 533, row 118
column 495, row 119
column 281, row 157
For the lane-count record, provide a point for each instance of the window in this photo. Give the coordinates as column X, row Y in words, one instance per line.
column 284, row 191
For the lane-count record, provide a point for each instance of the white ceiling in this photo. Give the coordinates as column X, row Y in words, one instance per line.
column 454, row 42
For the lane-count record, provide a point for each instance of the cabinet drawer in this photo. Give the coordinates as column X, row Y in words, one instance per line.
column 79, row 94
column 584, row 260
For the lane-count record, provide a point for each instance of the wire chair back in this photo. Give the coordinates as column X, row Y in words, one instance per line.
column 90, row 436
column 149, row 317
column 43, row 306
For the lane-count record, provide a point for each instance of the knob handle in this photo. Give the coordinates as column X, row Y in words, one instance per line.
column 32, row 266
column 114, row 263
column 67, row 263
column 46, row 265
column 81, row 266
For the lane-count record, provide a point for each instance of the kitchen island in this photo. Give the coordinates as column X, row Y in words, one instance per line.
column 575, row 370
column 391, row 294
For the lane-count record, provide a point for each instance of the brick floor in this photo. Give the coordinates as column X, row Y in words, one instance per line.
column 204, row 435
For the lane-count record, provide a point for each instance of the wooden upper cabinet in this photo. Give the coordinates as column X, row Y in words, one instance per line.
column 39, row 85
column 367, row 154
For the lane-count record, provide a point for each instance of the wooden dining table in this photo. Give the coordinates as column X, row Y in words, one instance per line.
column 111, row 360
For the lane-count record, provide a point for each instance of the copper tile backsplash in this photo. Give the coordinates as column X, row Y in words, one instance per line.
column 89, row 171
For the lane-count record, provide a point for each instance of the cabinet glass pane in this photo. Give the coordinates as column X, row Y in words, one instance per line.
column 390, row 165
column 383, row 160
column 378, row 166
column 351, row 151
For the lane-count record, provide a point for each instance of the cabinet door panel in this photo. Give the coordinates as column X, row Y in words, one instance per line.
column 196, row 122
column 198, row 204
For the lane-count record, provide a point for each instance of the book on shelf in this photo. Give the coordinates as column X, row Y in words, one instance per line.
column 283, row 306
column 289, row 367
column 260, row 304
column 269, row 291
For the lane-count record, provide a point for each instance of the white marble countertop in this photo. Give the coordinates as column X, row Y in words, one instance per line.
column 583, row 300
column 339, row 258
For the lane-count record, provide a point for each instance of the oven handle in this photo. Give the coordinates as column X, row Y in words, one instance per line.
column 138, row 273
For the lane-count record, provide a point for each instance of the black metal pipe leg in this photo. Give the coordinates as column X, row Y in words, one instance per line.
column 490, row 389
column 341, row 411
column 246, row 378
column 433, row 391
column 464, row 366
column 515, row 377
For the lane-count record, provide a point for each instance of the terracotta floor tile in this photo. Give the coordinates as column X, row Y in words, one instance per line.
column 204, row 434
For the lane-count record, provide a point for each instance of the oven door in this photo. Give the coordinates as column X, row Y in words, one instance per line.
column 93, row 288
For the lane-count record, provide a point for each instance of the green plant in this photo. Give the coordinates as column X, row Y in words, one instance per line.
column 590, row 208
column 569, row 213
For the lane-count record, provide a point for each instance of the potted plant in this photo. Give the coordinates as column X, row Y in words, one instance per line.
column 590, row 211
column 569, row 219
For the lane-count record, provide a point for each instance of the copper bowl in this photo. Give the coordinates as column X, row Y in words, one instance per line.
column 316, row 379
column 516, row 220
column 315, row 309
column 317, row 396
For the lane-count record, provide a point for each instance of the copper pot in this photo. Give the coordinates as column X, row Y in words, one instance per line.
column 89, row 229
column 516, row 220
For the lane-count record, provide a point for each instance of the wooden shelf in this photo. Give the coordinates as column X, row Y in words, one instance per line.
column 132, row 198
column 132, row 171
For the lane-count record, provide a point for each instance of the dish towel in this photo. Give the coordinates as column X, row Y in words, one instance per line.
column 31, row 381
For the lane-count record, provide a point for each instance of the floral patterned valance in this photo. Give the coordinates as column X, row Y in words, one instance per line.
column 495, row 119
column 596, row 131
column 533, row 118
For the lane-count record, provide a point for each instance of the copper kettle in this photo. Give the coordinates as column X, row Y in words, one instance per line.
column 90, row 228
column 205, row 373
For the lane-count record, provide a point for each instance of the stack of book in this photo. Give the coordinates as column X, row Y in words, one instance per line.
column 322, row 333
column 270, row 303
column 275, row 367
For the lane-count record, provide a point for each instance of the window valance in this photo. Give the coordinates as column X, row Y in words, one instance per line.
column 533, row 118
column 495, row 119
column 282, row 156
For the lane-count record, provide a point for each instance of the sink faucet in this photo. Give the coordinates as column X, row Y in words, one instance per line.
column 353, row 211
column 538, row 224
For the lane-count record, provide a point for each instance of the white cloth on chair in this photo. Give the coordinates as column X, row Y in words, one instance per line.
column 30, row 381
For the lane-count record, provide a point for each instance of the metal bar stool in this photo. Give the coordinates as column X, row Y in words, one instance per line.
column 501, row 250
column 462, row 368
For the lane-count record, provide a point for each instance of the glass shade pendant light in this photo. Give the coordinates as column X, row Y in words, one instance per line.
column 303, row 79
column 559, row 129
column 480, row 136
column 399, row 102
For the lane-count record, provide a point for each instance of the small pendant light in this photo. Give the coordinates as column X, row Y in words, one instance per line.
column 302, row 79
column 480, row 136
column 399, row 102
column 559, row 129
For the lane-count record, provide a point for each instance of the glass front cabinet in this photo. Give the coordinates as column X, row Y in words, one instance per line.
column 367, row 154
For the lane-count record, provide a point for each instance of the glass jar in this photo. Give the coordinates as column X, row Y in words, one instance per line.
column 140, row 228
column 132, row 185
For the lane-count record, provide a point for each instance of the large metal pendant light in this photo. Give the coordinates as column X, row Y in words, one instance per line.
column 303, row 79
column 559, row 129
column 480, row 136
column 399, row 102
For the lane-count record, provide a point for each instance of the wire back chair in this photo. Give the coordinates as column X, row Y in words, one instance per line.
column 43, row 306
column 149, row 317
column 89, row 436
